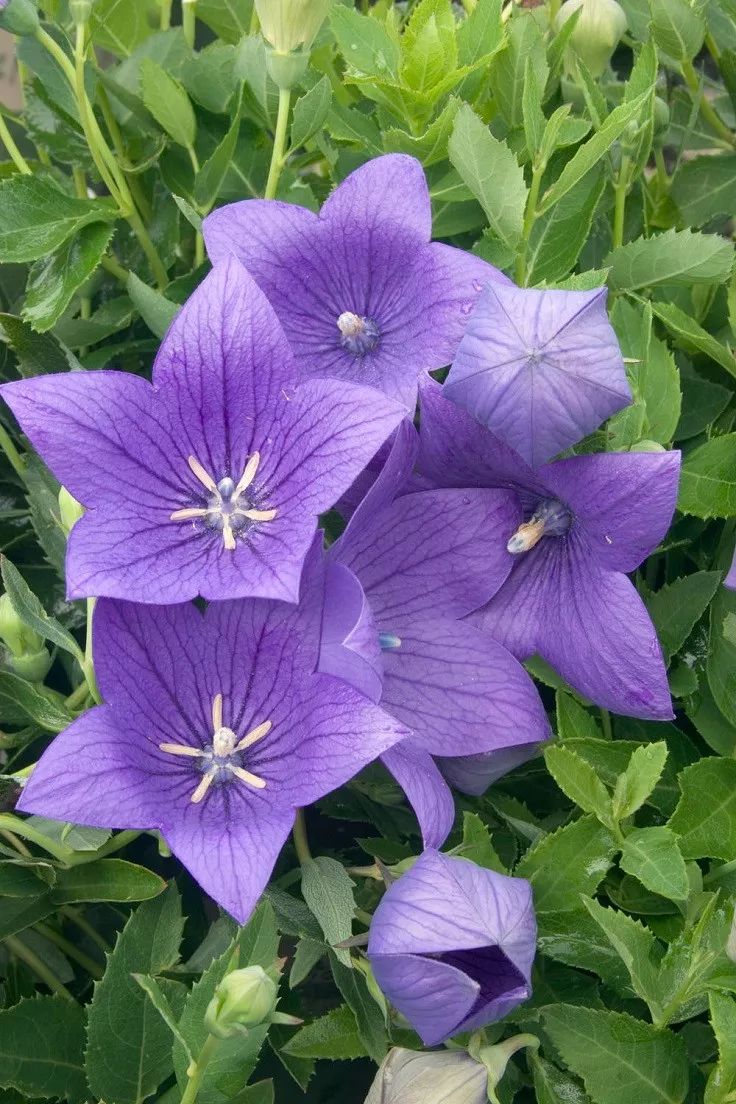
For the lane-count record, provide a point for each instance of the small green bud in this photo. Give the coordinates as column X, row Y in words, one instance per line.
column 243, row 999
column 80, row 11
column 286, row 70
column 70, row 511
column 290, row 24
column 598, row 31
column 28, row 656
column 661, row 116
column 647, row 446
column 20, row 17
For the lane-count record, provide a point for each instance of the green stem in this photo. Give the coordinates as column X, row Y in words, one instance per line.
column 157, row 266
column 188, row 20
column 712, row 47
column 195, row 1073
column 663, row 179
column 84, row 926
column 70, row 950
column 165, row 20
column 78, row 697
column 19, row 949
column 13, row 840
column 88, row 664
column 116, row 843
column 705, row 107
column 27, row 831
column 14, row 457
column 117, row 140
column 530, row 216
column 621, row 189
column 9, row 142
column 278, row 154
column 301, row 843
column 606, row 722
column 115, row 269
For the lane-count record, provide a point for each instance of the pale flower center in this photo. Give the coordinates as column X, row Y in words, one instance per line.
column 551, row 518
column 221, row 761
column 359, row 335
column 226, row 509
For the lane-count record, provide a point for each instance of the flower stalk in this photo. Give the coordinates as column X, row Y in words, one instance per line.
column 196, row 1071
column 278, row 154
column 9, row 142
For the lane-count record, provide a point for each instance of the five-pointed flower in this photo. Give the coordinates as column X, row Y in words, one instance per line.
column 587, row 520
column 541, row 369
column 452, row 945
column 400, row 577
column 214, row 732
column 208, row 481
column 360, row 290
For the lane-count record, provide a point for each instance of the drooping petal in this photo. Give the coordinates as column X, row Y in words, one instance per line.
column 426, row 790
column 384, row 477
column 459, row 691
column 231, row 860
column 350, row 648
column 588, row 622
column 540, row 368
column 434, row 997
column 434, row 553
column 623, row 500
column 473, row 774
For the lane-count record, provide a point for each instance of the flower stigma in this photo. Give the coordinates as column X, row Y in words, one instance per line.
column 224, row 509
column 221, row 761
column 551, row 518
column 359, row 335
column 389, row 642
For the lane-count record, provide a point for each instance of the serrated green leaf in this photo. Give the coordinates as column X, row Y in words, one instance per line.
column 41, row 1048
column 210, row 177
column 31, row 612
column 721, row 661
column 574, row 722
column 619, row 1058
column 524, row 45
column 160, row 1001
column 328, row 890
column 364, row 43
column 705, row 188
column 691, row 335
column 229, row 19
column 637, row 782
column 708, row 480
column 492, row 173
column 678, row 27
column 209, row 76
column 722, row 1078
column 533, row 116
column 653, row 856
column 481, row 33
column 332, row 1036
column 705, row 818
column 677, row 607
column 38, row 354
column 168, row 102
column 155, row 309
column 675, row 257
column 552, row 1086
column 429, row 147
column 578, row 780
column 570, row 861
column 36, row 217
column 306, row 956
column 559, row 235
column 368, row 1015
column 572, row 936
column 53, row 280
column 121, row 27
column 636, row 947
column 128, row 1044
column 477, row 845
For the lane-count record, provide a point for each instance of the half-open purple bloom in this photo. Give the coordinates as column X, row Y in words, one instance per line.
column 587, row 520
column 360, row 291
column 452, row 945
column 214, row 731
column 539, row 368
column 208, row 481
column 400, row 578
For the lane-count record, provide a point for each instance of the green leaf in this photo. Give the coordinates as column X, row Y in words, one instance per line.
column 21, row 701
column 590, row 153
column 28, row 879
column 160, row 1001
column 676, row 257
column 619, row 1058
column 636, row 947
column 492, row 173
column 708, row 480
column 168, row 102
column 578, row 780
column 653, row 856
column 637, row 782
column 310, row 112
column 481, row 33
column 368, row 1016
column 328, row 890
column 41, row 1048
column 721, row 662
column 120, row 26
column 108, row 880
column 559, row 235
column 551, row 1085
column 677, row 607
column 431, row 146
column 332, row 1036
column 38, row 354
column 53, row 280
column 524, row 46
column 209, row 76
column 211, row 175
column 306, row 956
column 678, row 27
column 568, row 862
column 693, row 338
column 477, row 845
column 364, row 43
column 155, row 309
column 705, row 188
column 533, row 116
column 128, row 1044
column 705, row 818
column 36, row 217
column 722, row 1078
column 574, row 722
column 31, row 612
column 229, row 19
column 702, row 402
column 573, row 937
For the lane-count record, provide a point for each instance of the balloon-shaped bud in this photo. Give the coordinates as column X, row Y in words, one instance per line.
column 647, row 446
column 20, row 17
column 441, row 1077
column 290, row 25
column 598, row 31
column 80, row 11
column 27, row 655
column 243, row 999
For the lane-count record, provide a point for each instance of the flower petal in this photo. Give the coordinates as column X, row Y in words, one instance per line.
column 428, row 793
column 434, row 997
column 349, row 647
column 473, row 774
column 458, row 280
column 384, row 478
column 261, row 233
column 384, row 191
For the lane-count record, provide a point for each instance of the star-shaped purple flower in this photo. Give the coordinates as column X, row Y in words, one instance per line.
column 400, row 578
column 208, row 481
column 214, row 731
column 541, row 369
column 452, row 945
column 587, row 521
column 361, row 292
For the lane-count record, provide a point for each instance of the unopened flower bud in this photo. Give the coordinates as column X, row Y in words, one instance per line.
column 598, row 31
column 661, row 116
column 243, row 999
column 289, row 25
column 439, row 1077
column 286, row 70
column 20, row 17
column 80, row 11
column 647, row 446
column 28, row 656
column 70, row 511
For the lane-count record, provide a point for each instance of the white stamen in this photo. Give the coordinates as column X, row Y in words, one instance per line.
column 181, row 749
column 202, row 788
column 248, row 475
column 187, row 514
column 350, row 325
column 203, row 476
column 227, row 533
column 216, row 712
column 526, row 536
column 246, row 776
column 259, row 515
column 225, row 505
column 254, row 735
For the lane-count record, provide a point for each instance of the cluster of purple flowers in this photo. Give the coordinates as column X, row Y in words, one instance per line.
column 286, row 386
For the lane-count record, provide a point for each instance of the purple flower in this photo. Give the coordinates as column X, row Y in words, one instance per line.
column 210, row 480
column 214, row 731
column 400, row 578
column 360, row 291
column 730, row 580
column 473, row 774
column 452, row 945
column 587, row 520
column 541, row 369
